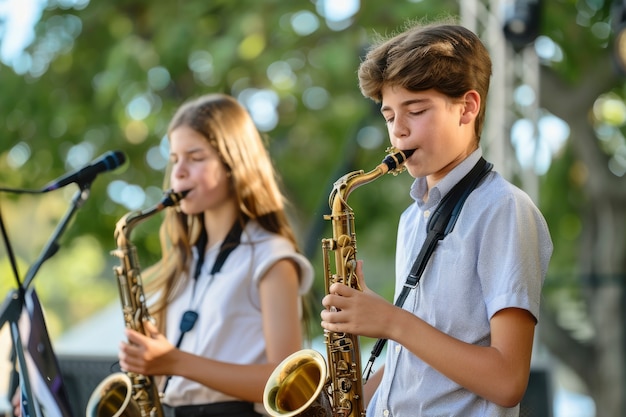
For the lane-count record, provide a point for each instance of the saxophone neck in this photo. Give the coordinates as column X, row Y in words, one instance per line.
column 343, row 187
column 393, row 163
column 127, row 223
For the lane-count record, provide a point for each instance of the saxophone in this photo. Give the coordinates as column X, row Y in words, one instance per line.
column 303, row 385
column 130, row 394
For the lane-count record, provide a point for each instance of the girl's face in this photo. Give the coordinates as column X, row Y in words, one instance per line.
column 196, row 166
column 441, row 130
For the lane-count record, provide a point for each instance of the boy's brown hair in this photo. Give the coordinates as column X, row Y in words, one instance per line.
column 446, row 57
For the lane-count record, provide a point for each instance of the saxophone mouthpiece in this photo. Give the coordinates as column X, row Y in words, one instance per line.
column 396, row 159
column 407, row 154
column 172, row 198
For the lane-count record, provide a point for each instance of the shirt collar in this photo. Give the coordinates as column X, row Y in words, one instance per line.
column 420, row 187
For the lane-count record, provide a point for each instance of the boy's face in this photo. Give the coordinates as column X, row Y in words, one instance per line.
column 440, row 129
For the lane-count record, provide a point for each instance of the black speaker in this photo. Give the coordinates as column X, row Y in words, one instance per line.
column 537, row 401
column 82, row 375
column 522, row 25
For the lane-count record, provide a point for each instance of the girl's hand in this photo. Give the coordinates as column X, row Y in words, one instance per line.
column 146, row 355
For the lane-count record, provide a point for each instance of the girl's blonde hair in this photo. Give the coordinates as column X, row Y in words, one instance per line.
column 230, row 130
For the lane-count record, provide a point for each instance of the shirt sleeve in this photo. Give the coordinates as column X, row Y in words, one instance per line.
column 514, row 252
column 277, row 249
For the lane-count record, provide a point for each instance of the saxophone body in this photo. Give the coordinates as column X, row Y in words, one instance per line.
column 303, row 384
column 127, row 394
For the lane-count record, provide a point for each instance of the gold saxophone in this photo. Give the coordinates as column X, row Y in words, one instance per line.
column 130, row 394
column 302, row 385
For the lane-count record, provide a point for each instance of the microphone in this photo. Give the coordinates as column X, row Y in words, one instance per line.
column 106, row 162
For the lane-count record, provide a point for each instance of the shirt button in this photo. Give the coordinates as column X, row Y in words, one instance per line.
column 385, row 413
column 398, row 347
column 426, row 214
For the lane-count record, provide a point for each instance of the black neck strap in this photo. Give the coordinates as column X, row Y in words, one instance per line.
column 230, row 243
column 440, row 223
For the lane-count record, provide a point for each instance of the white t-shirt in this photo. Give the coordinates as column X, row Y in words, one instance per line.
column 229, row 325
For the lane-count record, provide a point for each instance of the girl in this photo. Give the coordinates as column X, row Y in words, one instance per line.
column 230, row 258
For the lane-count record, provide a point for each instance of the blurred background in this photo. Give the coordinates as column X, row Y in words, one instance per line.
column 79, row 78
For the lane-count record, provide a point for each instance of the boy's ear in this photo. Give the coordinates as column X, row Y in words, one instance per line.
column 471, row 101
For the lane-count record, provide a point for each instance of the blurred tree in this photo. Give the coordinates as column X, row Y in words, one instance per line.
column 583, row 322
column 109, row 75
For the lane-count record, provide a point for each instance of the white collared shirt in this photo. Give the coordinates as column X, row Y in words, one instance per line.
column 496, row 257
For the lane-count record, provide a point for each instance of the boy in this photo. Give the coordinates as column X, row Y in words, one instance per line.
column 462, row 342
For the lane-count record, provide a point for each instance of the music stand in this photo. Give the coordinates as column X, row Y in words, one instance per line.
column 43, row 392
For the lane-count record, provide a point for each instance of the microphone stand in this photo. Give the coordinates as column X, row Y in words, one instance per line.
column 14, row 304
column 53, row 246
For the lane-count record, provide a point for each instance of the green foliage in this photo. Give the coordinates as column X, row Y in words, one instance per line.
column 576, row 26
column 110, row 53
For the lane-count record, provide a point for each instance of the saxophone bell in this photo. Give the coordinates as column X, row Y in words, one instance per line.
column 297, row 387
column 113, row 398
